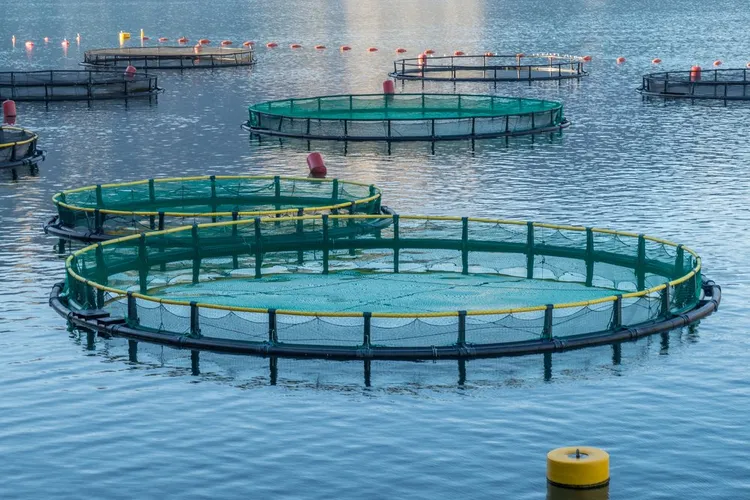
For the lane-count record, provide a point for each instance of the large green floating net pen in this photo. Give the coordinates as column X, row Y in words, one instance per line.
column 105, row 211
column 416, row 288
column 405, row 117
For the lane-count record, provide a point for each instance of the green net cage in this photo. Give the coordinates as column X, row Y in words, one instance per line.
column 416, row 288
column 169, row 57
column 717, row 84
column 405, row 117
column 490, row 68
column 105, row 211
column 18, row 147
column 70, row 85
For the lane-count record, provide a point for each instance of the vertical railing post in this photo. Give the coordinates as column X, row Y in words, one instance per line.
column 464, row 245
column 195, row 329
column 258, row 249
column 679, row 263
column 666, row 301
column 367, row 334
column 589, row 256
column 616, row 323
column 196, row 254
column 529, row 250
column 132, row 314
column 300, row 253
column 142, row 264
column 326, row 243
column 641, row 263
column 461, row 340
column 547, row 329
column 396, row 238
column 273, row 335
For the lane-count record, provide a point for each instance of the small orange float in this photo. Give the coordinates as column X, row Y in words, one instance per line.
column 429, row 52
column 320, row 47
column 586, row 58
column 620, row 60
column 717, row 63
column 459, row 53
column 400, row 50
column 656, row 61
column 182, row 39
column 163, row 39
column 65, row 42
column 295, row 46
column 248, row 44
column 344, row 48
column 204, row 41
column 224, row 43
column 272, row 45
column 29, row 44
column 489, row 54
column 46, row 39
column 372, row 49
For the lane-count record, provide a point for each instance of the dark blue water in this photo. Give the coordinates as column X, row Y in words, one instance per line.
column 672, row 410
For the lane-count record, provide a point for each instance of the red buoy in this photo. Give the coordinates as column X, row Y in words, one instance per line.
column 130, row 70
column 272, row 45
column 316, row 165
column 620, row 60
column 198, row 48
column 295, row 46
column 400, row 50
column 248, row 44
column 224, row 43
column 389, row 87
column 9, row 112
column 656, row 61
column 695, row 73
column 429, row 52
column 163, row 39
column 422, row 59
column 489, row 54
column 717, row 63
column 204, row 41
column 459, row 53
column 320, row 47
column 586, row 58
column 182, row 39
column 372, row 49
column 345, row 48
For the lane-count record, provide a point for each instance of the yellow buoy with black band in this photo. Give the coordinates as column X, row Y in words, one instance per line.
column 579, row 467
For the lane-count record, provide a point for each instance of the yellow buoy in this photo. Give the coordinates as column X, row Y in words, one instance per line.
column 578, row 467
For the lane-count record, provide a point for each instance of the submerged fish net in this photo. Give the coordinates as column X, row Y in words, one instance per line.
column 420, row 287
column 719, row 84
column 67, row 85
column 18, row 147
column 169, row 57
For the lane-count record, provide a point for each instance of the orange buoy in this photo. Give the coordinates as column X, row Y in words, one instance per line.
column 271, row 45
column 65, row 42
column 389, row 87
column 182, row 39
column 695, row 73
column 372, row 49
column 163, row 39
column 130, row 71
column 320, row 47
column 429, row 52
column 78, row 38
column 656, row 61
column 29, row 44
column 620, row 60
column 520, row 55
column 459, row 53
column 316, row 165
column 345, row 48
column 46, row 39
column 224, row 43
column 13, row 39
column 489, row 54
column 295, row 46
column 586, row 58
column 717, row 63
column 248, row 44
column 422, row 59
column 197, row 48
column 400, row 50
column 9, row 112
column 145, row 38
column 747, row 65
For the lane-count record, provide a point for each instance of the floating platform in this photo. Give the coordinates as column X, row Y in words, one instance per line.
column 490, row 68
column 717, row 84
column 169, row 57
column 18, row 147
column 67, row 85
column 405, row 117
column 102, row 212
column 418, row 288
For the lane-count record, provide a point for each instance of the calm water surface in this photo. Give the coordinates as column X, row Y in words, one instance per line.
column 672, row 410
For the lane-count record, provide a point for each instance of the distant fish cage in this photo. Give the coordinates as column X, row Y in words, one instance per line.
column 169, row 57
column 489, row 68
column 74, row 85
column 718, row 84
column 18, row 147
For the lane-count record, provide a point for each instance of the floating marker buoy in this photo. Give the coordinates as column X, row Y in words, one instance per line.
column 9, row 112
column 656, row 61
column 204, row 41
column 320, row 47
column 400, row 50
column 316, row 165
column 197, row 48
column 182, row 39
column 520, row 55
column 695, row 73
column 65, row 42
column 717, row 63
column 372, row 49
column 46, row 39
column 422, row 59
column 586, row 58
column 344, row 48
column 581, row 467
column 489, row 54
column 747, row 65
column 145, row 39
column 130, row 71
column 13, row 39
column 248, row 44
column 224, row 43
column 29, row 44
column 429, row 52
column 163, row 39
column 295, row 46
column 459, row 53
column 78, row 38
column 389, row 87
column 620, row 60
column 271, row 45
column 124, row 35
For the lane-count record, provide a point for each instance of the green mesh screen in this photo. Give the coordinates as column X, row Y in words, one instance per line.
column 118, row 209
column 414, row 282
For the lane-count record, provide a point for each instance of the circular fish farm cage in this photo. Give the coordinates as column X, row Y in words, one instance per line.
column 169, row 57
column 416, row 288
column 405, row 117
column 489, row 68
column 718, row 84
column 106, row 211
column 18, row 147
column 72, row 85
